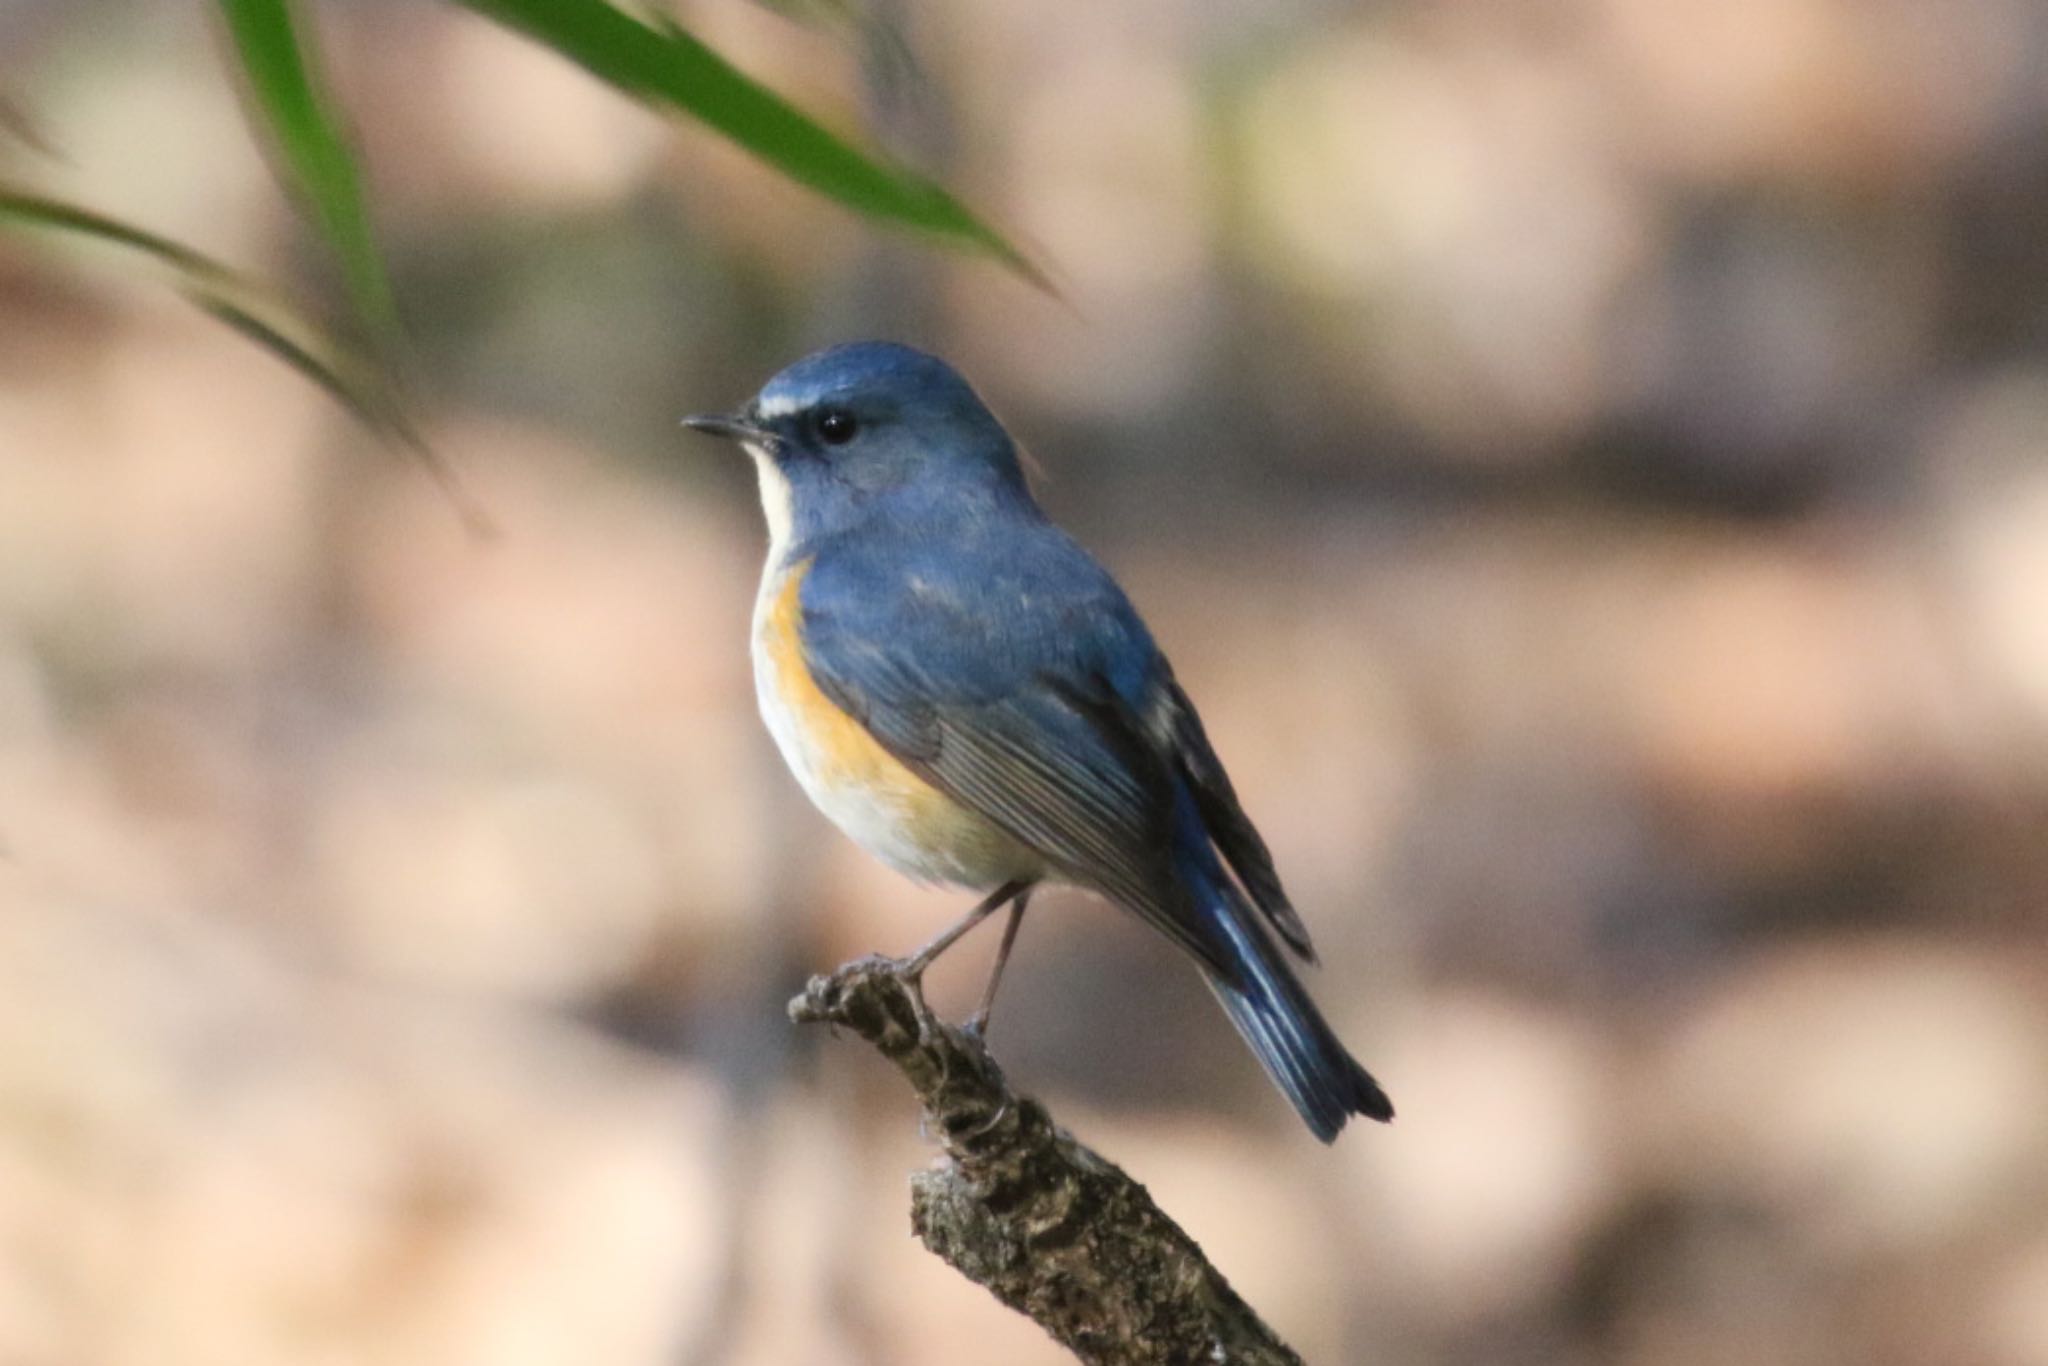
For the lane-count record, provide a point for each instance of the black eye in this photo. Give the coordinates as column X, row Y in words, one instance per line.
column 836, row 426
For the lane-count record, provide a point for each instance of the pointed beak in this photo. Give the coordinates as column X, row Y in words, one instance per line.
column 732, row 427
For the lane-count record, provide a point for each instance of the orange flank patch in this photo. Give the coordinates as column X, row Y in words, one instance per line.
column 843, row 754
column 865, row 789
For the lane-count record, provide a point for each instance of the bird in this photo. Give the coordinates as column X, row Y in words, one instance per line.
column 968, row 694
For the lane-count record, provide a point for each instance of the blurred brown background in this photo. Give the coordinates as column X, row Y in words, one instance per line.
column 1585, row 456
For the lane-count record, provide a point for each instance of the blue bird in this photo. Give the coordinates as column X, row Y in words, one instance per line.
column 966, row 693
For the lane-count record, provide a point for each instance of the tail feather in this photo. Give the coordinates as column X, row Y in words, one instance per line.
column 1289, row 1036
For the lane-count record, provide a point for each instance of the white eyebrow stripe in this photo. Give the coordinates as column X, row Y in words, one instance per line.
column 771, row 409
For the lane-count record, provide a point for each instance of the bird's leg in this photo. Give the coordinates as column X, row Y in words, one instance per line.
column 977, row 1023
column 913, row 967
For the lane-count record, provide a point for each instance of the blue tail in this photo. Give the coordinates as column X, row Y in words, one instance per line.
column 1274, row 1014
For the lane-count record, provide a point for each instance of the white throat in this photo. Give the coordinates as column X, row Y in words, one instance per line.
column 775, row 502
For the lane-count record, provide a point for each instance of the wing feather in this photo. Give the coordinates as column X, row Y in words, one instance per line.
column 1226, row 821
column 1034, row 735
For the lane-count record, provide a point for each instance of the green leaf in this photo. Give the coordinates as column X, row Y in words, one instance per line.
column 249, row 306
column 667, row 67
column 354, row 379
column 281, row 69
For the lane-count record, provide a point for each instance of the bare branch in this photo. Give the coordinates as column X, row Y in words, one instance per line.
column 1017, row 1205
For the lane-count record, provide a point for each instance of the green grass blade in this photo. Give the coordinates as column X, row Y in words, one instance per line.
column 251, row 308
column 37, row 212
column 316, row 155
column 669, row 68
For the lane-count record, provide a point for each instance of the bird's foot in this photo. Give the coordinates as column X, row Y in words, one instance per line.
column 910, row 972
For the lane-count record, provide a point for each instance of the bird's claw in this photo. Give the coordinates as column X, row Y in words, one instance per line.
column 987, row 1126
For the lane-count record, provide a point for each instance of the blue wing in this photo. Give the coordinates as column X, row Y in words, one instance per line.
column 1006, row 667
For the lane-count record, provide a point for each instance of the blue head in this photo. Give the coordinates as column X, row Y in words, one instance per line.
column 869, row 425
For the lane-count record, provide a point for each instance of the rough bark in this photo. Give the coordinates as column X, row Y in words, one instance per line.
column 1017, row 1205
